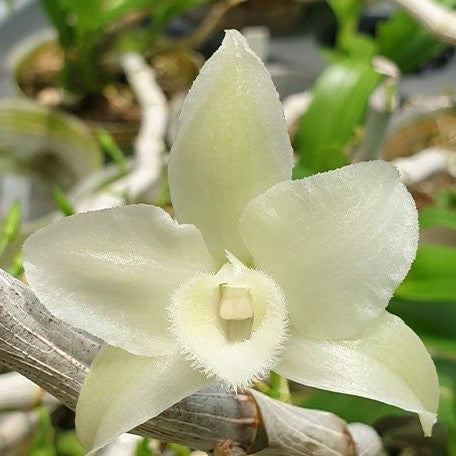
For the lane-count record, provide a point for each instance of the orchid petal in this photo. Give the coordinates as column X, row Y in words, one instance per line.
column 232, row 144
column 122, row 390
column 338, row 243
column 388, row 364
column 111, row 272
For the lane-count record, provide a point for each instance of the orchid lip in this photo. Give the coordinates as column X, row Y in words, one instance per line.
column 232, row 324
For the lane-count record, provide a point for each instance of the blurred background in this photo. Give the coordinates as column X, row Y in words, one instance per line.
column 90, row 93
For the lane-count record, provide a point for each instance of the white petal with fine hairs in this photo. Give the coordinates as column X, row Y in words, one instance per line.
column 122, row 390
column 111, row 272
column 231, row 145
column 389, row 364
column 338, row 243
column 242, row 348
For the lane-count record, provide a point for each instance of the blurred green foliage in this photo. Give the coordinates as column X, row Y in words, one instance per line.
column 112, row 150
column 67, row 444
column 426, row 300
column 62, row 203
column 341, row 93
column 10, row 227
column 349, row 408
column 339, row 101
column 432, row 276
column 9, row 231
column 143, row 448
column 446, row 199
column 15, row 268
column 433, row 321
column 43, row 438
column 400, row 38
column 431, row 217
column 407, row 43
column 47, row 441
column 178, row 450
column 447, row 408
column 349, row 41
column 89, row 30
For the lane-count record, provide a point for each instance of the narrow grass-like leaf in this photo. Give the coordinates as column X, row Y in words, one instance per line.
column 108, row 144
column 16, row 268
column 62, row 203
column 10, row 227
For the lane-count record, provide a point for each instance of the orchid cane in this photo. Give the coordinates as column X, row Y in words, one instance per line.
column 260, row 273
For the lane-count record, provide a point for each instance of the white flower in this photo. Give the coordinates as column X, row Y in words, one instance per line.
column 266, row 273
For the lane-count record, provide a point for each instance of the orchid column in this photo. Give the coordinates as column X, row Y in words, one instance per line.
column 259, row 272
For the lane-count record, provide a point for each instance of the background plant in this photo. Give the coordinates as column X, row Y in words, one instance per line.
column 89, row 31
column 332, row 126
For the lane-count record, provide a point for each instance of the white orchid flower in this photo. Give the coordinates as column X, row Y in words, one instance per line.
column 261, row 272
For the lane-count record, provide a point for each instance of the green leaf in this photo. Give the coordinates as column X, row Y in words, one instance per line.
column 432, row 321
column 432, row 276
column 10, row 226
column 62, row 203
column 349, row 408
column 114, row 10
column 447, row 407
column 347, row 12
column 322, row 158
column 430, row 217
column 16, row 267
column 361, row 47
column 143, row 448
column 162, row 196
column 442, row 348
column 339, row 102
column 407, row 43
column 60, row 17
column 108, row 144
column 67, row 444
column 446, row 199
column 426, row 300
column 349, row 41
column 43, row 438
column 178, row 450
column 278, row 387
column 358, row 409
